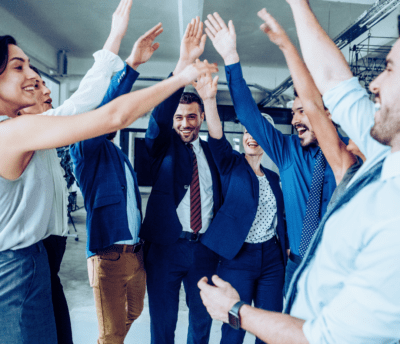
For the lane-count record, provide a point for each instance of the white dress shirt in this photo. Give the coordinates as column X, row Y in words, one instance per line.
column 350, row 292
column 206, row 193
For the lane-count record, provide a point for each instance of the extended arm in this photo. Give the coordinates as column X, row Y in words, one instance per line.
column 325, row 61
column 273, row 142
column 220, row 148
column 328, row 139
column 95, row 83
column 207, row 89
column 270, row 327
column 48, row 132
column 160, row 124
column 142, row 51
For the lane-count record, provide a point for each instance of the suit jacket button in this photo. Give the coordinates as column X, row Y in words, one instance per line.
column 123, row 187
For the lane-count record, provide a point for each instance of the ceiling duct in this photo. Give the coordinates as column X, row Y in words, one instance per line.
column 366, row 21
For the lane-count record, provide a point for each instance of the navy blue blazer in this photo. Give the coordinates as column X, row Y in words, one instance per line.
column 171, row 169
column 100, row 171
column 240, row 189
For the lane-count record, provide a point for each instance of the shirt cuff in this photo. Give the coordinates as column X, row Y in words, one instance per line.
column 108, row 60
column 233, row 72
column 335, row 95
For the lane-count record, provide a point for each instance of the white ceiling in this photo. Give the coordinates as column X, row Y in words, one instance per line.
column 81, row 26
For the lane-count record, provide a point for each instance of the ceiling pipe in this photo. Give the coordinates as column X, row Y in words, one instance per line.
column 366, row 21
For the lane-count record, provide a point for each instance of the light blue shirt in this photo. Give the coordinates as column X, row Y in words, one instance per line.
column 134, row 219
column 350, row 292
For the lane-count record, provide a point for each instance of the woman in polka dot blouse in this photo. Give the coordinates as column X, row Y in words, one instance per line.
column 249, row 231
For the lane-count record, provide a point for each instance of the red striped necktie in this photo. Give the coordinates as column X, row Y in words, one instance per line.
column 195, row 200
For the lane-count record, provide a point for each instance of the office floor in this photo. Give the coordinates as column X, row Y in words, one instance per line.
column 80, row 300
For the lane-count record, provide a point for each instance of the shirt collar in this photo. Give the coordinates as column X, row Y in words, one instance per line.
column 391, row 166
column 196, row 145
column 314, row 150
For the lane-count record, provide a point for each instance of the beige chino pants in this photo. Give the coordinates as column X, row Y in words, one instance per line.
column 119, row 286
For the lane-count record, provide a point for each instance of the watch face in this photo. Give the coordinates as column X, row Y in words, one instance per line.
column 234, row 321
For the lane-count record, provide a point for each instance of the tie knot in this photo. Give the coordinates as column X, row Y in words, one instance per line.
column 190, row 145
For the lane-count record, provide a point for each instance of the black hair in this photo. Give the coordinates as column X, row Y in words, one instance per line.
column 5, row 41
column 189, row 98
column 35, row 70
column 111, row 136
column 295, row 93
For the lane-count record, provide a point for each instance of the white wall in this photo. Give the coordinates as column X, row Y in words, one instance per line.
column 42, row 54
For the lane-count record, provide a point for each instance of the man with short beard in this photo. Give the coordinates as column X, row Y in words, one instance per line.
column 185, row 197
column 308, row 181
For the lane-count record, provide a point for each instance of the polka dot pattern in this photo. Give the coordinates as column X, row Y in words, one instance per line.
column 264, row 224
column 311, row 220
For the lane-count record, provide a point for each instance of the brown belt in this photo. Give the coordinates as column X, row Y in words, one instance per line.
column 122, row 248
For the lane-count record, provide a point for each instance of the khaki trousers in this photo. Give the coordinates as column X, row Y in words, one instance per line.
column 119, row 286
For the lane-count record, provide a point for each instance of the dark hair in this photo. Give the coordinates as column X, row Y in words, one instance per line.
column 296, row 95
column 111, row 136
column 5, row 41
column 35, row 70
column 189, row 98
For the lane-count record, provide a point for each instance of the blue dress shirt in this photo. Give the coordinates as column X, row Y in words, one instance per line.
column 295, row 163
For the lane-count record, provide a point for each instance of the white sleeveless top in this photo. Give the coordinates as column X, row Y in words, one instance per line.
column 26, row 205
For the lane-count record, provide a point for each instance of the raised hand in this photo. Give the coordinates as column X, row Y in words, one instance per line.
column 222, row 37
column 144, row 48
column 194, row 70
column 206, row 86
column 119, row 25
column 193, row 42
column 192, row 45
column 271, row 27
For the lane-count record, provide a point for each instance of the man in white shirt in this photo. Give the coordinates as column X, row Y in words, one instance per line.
column 348, row 291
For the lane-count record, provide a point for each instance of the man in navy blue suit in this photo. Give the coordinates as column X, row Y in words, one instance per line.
column 113, row 204
column 184, row 199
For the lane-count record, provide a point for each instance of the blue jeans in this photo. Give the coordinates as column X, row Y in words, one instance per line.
column 291, row 267
column 26, row 310
column 257, row 273
column 55, row 248
column 166, row 267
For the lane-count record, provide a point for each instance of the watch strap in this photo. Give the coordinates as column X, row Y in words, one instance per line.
column 233, row 315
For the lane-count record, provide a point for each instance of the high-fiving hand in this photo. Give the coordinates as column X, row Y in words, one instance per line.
column 194, row 70
column 193, row 41
column 222, row 37
column 119, row 25
column 271, row 27
column 192, row 45
column 206, row 86
column 144, row 48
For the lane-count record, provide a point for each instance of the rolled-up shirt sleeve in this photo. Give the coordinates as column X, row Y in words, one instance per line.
column 93, row 86
column 352, row 109
column 367, row 308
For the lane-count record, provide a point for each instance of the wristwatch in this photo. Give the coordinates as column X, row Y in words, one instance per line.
column 234, row 317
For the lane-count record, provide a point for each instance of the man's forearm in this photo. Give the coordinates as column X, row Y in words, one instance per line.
column 325, row 61
column 328, row 139
column 272, row 327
